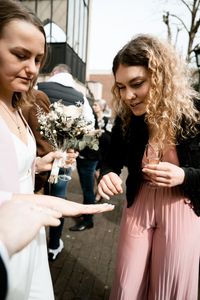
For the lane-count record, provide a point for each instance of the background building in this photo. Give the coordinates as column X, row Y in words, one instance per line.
column 106, row 80
column 66, row 24
column 67, row 27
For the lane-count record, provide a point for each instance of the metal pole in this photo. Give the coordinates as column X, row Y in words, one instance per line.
column 36, row 6
column 51, row 18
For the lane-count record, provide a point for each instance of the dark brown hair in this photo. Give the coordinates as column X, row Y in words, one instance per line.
column 11, row 10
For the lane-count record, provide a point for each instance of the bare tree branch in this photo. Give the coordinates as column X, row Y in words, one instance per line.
column 181, row 21
column 196, row 26
column 187, row 5
column 177, row 33
column 166, row 21
column 193, row 7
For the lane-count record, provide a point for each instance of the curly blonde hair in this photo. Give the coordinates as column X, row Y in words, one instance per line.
column 171, row 96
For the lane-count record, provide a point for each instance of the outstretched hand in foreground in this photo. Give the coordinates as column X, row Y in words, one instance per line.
column 21, row 220
column 22, row 217
column 70, row 208
column 65, row 207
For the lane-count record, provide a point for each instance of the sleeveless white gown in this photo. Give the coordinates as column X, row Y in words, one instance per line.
column 29, row 269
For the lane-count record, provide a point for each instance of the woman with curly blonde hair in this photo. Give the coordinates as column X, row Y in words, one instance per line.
column 155, row 104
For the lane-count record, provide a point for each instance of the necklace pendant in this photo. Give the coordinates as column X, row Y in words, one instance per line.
column 14, row 116
column 19, row 129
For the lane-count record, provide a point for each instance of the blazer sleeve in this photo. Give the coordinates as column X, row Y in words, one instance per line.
column 192, row 178
column 114, row 160
column 30, row 114
column 189, row 158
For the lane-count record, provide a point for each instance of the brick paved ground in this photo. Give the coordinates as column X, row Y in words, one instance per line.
column 84, row 270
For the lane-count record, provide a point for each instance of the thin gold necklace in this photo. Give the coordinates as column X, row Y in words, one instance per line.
column 15, row 120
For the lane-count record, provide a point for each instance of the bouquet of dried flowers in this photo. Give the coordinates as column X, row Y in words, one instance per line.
column 65, row 127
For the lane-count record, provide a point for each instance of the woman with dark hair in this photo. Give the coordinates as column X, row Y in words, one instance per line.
column 23, row 51
column 159, row 244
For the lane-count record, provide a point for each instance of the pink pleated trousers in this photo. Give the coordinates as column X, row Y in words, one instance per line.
column 159, row 248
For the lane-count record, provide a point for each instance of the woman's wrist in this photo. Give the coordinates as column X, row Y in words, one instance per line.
column 37, row 162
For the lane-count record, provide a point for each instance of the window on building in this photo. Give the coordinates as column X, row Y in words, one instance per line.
column 77, row 20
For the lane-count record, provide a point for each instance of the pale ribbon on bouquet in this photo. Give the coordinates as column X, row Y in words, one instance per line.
column 57, row 164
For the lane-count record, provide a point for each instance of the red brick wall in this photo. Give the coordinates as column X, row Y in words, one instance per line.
column 107, row 81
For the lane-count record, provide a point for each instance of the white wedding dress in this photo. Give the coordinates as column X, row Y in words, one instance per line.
column 29, row 269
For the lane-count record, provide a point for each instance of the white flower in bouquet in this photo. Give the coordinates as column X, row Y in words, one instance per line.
column 65, row 127
column 73, row 111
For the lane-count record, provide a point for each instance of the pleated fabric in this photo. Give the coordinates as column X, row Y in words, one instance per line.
column 159, row 246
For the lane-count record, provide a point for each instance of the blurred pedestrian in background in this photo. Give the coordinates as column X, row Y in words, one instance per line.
column 103, row 123
column 61, row 85
column 159, row 244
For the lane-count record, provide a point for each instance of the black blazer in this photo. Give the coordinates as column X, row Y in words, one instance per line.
column 128, row 151
column 56, row 91
column 3, row 280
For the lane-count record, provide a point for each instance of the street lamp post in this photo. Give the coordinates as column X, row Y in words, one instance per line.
column 197, row 55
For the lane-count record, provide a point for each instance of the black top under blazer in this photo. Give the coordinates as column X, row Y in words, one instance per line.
column 3, row 280
column 128, row 151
